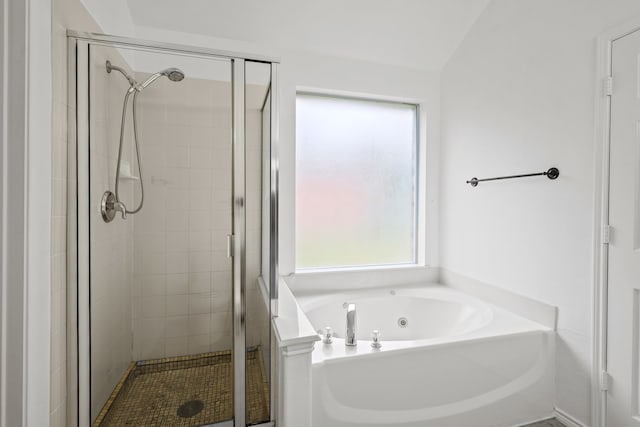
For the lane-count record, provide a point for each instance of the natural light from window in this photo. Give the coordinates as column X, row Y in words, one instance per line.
column 356, row 182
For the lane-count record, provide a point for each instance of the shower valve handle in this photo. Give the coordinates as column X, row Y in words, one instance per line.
column 109, row 205
column 120, row 207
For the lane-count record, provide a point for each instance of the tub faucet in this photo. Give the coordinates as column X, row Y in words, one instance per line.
column 350, row 336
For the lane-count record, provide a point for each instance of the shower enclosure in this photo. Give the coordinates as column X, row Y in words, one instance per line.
column 172, row 234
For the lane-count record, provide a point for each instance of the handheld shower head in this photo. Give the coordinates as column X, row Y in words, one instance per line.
column 173, row 74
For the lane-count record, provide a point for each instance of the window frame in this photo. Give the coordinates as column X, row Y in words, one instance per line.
column 419, row 163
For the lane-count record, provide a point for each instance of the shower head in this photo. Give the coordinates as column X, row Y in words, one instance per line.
column 173, row 74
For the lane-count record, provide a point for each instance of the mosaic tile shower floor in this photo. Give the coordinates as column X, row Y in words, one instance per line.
column 156, row 392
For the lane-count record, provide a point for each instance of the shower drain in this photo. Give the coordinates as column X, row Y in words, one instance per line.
column 403, row 322
column 190, row 408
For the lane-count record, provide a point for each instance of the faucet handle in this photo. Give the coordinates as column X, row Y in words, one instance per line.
column 120, row 207
column 375, row 339
column 327, row 335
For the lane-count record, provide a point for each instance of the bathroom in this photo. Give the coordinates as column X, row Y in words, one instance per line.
column 528, row 269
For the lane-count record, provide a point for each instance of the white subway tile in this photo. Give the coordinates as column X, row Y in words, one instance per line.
column 177, row 156
column 201, row 157
column 177, row 262
column 199, row 282
column 201, row 241
column 221, row 220
column 177, row 199
column 199, row 221
column 177, row 284
column 221, row 281
column 177, row 220
column 221, row 180
column 177, row 326
column 221, row 340
column 221, row 321
column 153, row 306
column 200, row 200
column 200, row 178
column 200, row 304
column 153, row 285
column 220, row 261
column 177, row 241
column 177, row 134
column 176, row 346
column 177, row 305
column 136, row 308
column 199, row 324
column 221, row 301
column 198, row 344
column 158, row 262
column 200, row 262
column 177, row 177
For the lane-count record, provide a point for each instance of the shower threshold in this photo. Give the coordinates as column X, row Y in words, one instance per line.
column 185, row 391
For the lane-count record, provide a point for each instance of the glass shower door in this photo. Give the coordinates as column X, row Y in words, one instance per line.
column 176, row 203
column 258, row 306
column 161, row 282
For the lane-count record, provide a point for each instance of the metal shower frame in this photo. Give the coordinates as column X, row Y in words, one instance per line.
column 78, row 267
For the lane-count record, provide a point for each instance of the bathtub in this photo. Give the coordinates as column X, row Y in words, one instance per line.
column 447, row 360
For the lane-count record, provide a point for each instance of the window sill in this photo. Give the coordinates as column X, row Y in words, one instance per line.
column 330, row 270
column 330, row 280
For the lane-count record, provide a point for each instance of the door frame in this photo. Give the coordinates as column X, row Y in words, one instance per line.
column 78, row 169
column 25, row 212
column 604, row 68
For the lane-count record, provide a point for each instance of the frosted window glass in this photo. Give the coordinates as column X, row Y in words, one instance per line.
column 355, row 182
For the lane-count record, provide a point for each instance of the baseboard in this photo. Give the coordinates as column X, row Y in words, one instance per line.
column 537, row 420
column 567, row 419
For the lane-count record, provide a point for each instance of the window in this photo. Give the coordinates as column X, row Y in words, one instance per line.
column 356, row 182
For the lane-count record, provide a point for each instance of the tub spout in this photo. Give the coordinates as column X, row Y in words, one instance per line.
column 350, row 337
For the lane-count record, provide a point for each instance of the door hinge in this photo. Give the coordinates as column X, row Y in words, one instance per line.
column 606, row 234
column 230, row 245
column 605, row 379
column 608, row 86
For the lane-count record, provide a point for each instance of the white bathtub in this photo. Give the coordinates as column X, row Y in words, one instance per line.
column 455, row 361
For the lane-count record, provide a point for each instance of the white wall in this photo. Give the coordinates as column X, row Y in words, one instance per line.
column 518, row 96
column 113, row 15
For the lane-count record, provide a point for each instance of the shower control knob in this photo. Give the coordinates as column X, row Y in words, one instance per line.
column 375, row 339
column 327, row 335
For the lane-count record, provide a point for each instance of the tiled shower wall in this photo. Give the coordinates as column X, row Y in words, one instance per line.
column 182, row 277
column 111, row 244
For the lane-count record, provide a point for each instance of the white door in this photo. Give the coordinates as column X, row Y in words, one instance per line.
column 623, row 352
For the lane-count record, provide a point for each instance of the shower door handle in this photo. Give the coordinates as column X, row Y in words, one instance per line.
column 230, row 245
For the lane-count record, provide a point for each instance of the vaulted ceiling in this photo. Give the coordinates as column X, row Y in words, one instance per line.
column 419, row 34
